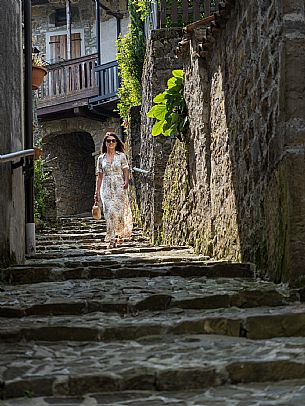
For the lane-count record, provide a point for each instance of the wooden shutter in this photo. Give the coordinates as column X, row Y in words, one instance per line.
column 58, row 48
column 75, row 45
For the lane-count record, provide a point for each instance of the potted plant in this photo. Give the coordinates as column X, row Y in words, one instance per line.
column 38, row 71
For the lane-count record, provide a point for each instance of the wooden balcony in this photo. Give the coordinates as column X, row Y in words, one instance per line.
column 71, row 85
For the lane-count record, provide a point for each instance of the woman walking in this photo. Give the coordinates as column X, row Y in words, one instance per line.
column 111, row 187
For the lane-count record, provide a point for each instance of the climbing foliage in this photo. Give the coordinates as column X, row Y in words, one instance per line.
column 40, row 175
column 142, row 7
column 130, row 57
column 170, row 109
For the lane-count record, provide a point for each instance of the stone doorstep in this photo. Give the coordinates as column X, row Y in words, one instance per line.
column 187, row 363
column 292, row 392
column 254, row 324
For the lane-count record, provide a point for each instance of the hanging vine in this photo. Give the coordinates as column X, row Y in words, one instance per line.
column 130, row 57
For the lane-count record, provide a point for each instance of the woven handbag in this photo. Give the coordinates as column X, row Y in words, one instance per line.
column 96, row 212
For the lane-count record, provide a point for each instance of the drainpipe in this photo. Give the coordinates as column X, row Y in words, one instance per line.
column 69, row 32
column 28, row 138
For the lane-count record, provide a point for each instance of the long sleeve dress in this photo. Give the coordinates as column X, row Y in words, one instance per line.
column 115, row 201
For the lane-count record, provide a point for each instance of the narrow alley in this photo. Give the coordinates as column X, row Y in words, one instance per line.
column 144, row 325
column 182, row 125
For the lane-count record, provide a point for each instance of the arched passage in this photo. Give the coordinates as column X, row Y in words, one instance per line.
column 72, row 164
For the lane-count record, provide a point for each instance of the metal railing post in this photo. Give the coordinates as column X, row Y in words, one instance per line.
column 29, row 175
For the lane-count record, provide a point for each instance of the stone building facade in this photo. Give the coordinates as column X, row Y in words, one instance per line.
column 12, row 216
column 46, row 23
column 235, row 190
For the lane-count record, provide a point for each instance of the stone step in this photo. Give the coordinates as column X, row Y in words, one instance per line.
column 85, row 241
column 77, row 228
column 70, row 236
column 253, row 323
column 96, row 244
column 177, row 363
column 285, row 393
column 112, row 269
column 138, row 294
column 122, row 249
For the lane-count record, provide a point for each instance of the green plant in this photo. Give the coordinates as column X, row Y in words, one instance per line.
column 130, row 89
column 142, row 8
column 38, row 60
column 170, row 109
column 130, row 57
column 40, row 175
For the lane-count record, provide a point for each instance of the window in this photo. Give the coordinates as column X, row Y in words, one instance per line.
column 60, row 17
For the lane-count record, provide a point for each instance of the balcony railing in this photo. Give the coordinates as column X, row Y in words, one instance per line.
column 177, row 13
column 78, row 80
column 107, row 80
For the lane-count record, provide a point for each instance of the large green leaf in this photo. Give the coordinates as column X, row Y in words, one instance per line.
column 171, row 82
column 167, row 133
column 159, row 111
column 179, row 82
column 158, row 128
column 174, row 90
column 160, row 98
column 178, row 73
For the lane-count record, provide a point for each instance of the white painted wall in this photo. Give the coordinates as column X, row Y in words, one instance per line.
column 109, row 36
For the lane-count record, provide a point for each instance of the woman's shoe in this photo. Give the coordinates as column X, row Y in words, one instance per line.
column 119, row 240
column 112, row 244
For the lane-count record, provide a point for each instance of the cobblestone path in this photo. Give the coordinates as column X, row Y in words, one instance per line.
column 143, row 325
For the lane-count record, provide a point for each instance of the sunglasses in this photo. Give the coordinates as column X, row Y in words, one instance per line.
column 109, row 140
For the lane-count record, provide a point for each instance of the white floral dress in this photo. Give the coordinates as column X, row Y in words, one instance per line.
column 116, row 206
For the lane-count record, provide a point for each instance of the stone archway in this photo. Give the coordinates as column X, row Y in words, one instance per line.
column 72, row 165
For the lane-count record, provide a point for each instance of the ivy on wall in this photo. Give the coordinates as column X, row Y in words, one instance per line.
column 170, row 109
column 40, row 176
column 130, row 57
column 142, row 8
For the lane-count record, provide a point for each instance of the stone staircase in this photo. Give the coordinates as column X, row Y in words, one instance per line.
column 144, row 325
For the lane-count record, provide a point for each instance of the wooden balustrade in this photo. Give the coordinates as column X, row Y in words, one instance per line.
column 107, row 81
column 78, row 79
column 71, row 77
column 176, row 13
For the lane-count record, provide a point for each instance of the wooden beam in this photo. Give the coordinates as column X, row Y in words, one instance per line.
column 196, row 24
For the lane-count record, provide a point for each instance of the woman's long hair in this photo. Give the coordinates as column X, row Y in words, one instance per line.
column 119, row 145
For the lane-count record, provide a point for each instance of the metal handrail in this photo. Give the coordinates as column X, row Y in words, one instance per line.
column 18, row 154
column 140, row 170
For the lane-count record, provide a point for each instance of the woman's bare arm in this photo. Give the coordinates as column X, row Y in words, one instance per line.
column 126, row 177
column 98, row 186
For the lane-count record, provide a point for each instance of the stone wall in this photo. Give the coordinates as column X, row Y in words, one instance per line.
column 70, row 147
column 236, row 190
column 232, row 97
column 83, row 17
column 12, row 219
column 154, row 152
